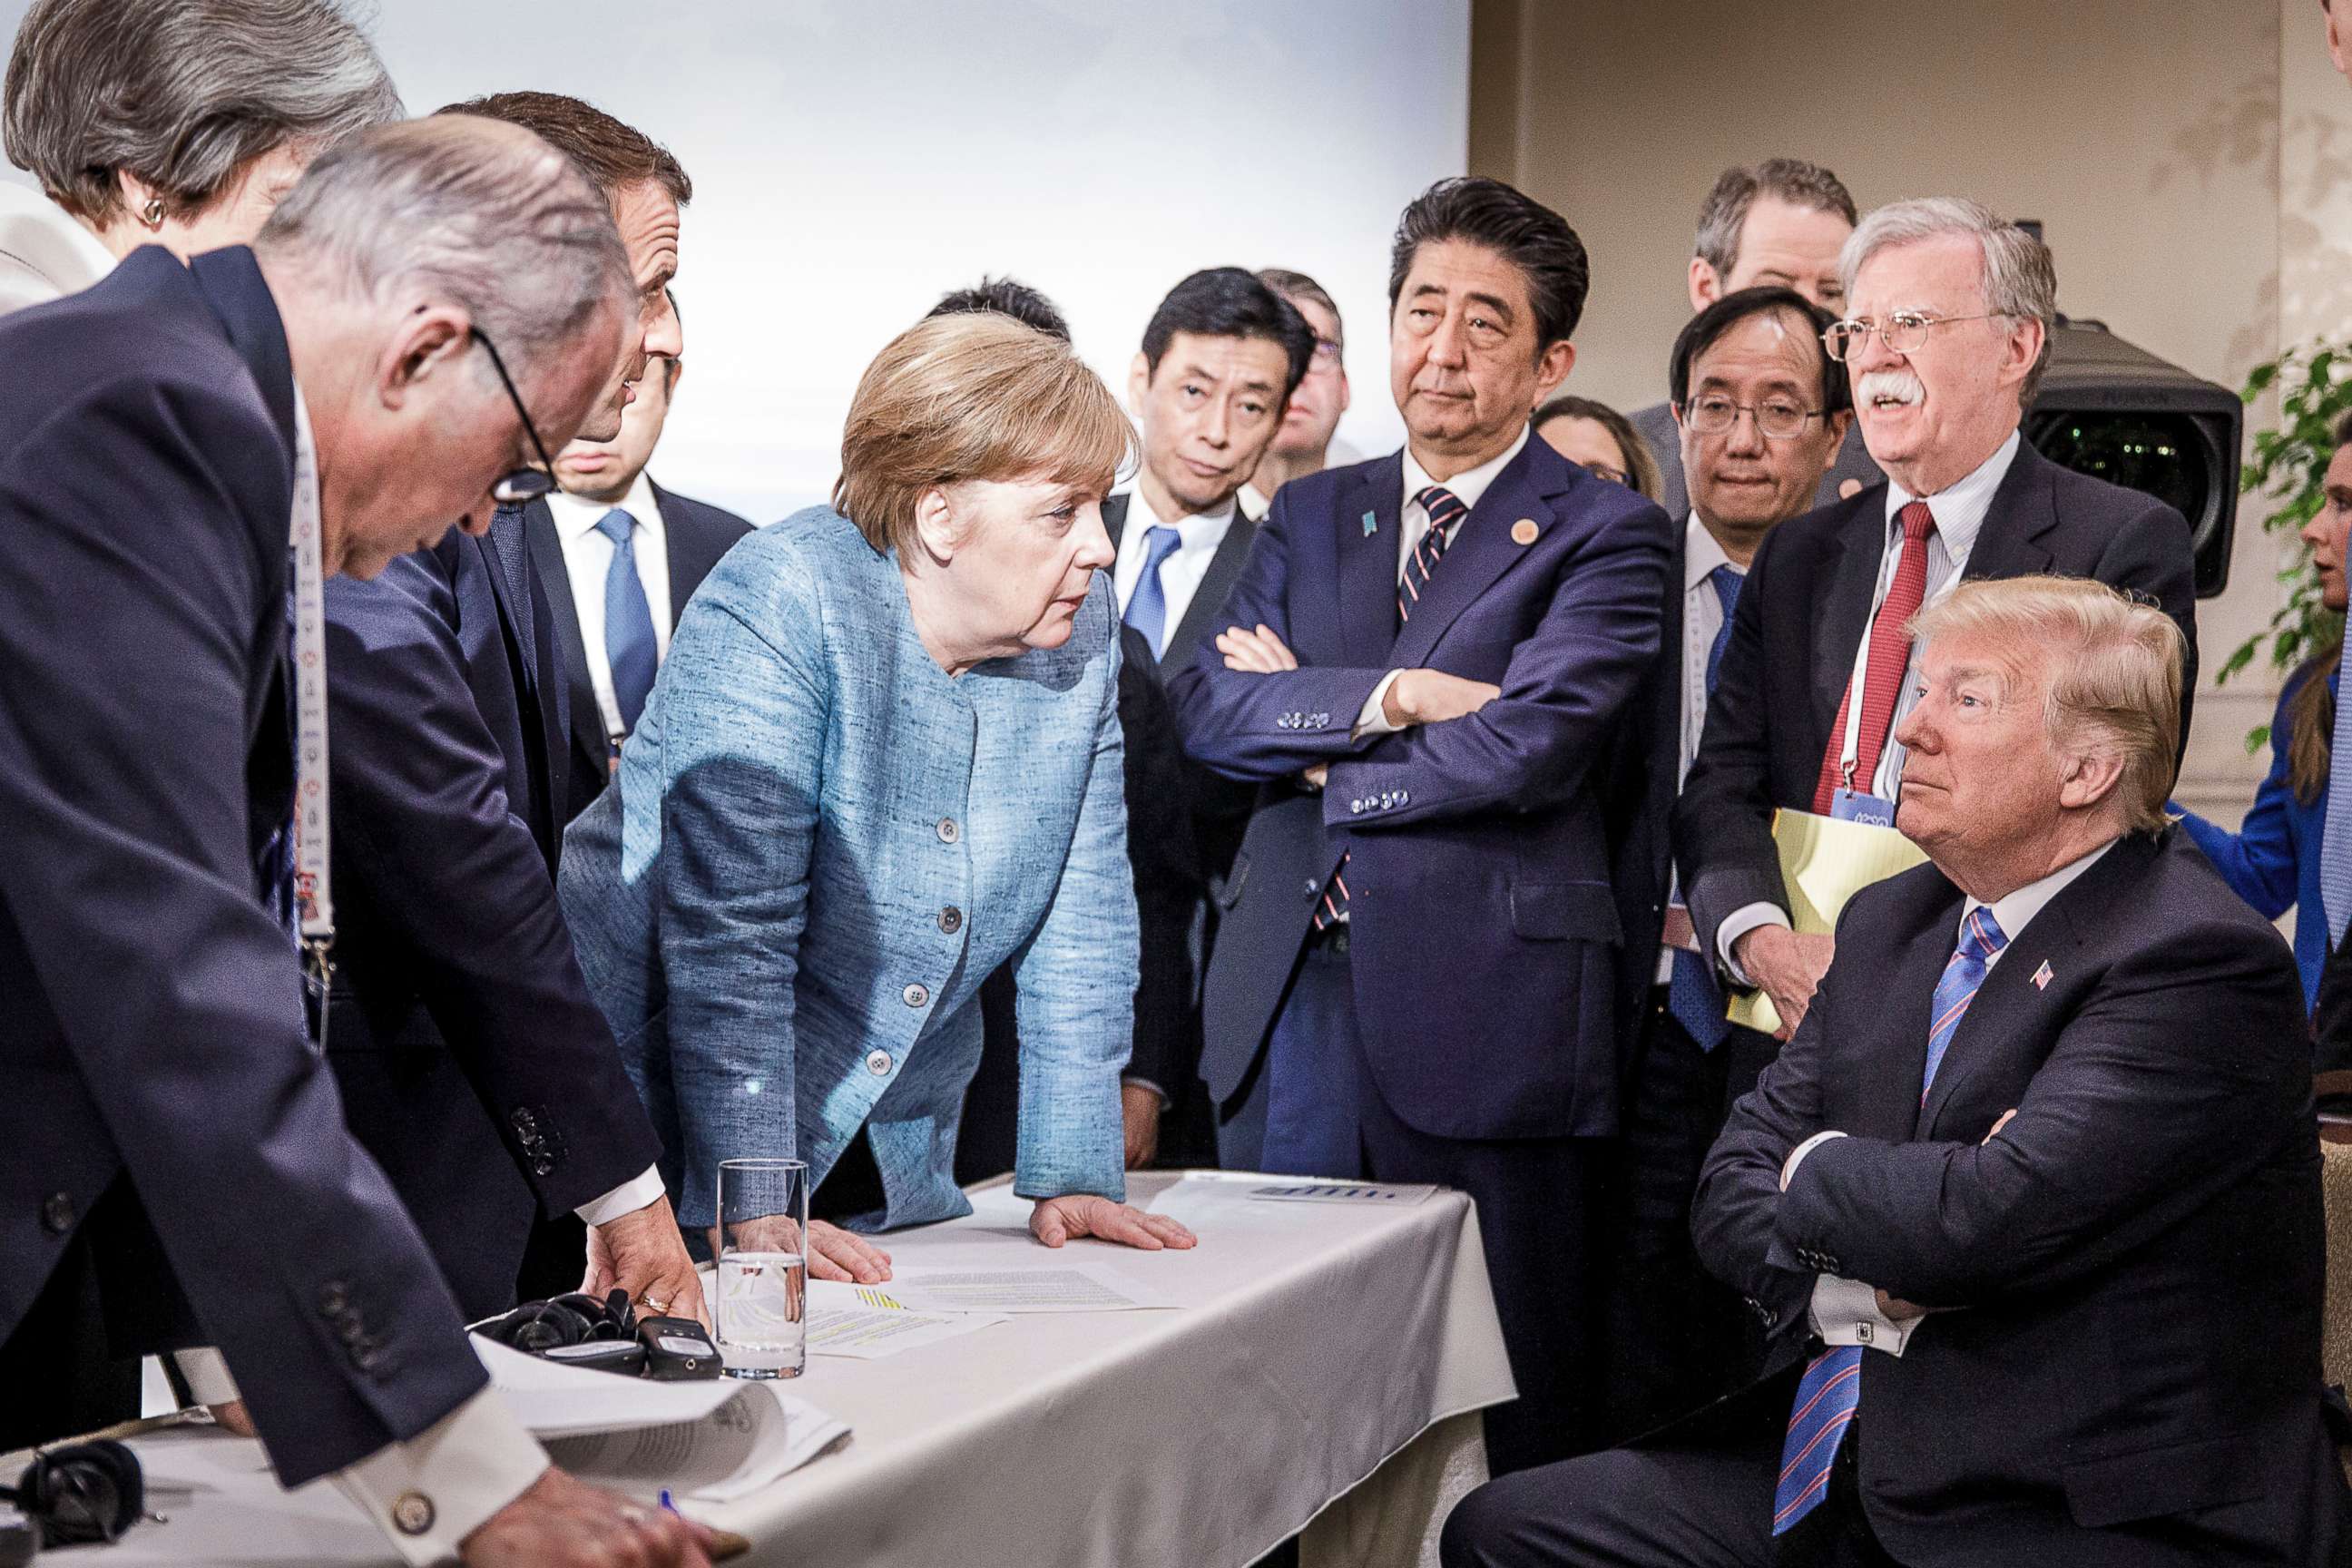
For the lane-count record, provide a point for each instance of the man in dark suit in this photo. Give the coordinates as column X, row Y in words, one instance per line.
column 179, row 1170
column 1779, row 225
column 619, row 557
column 474, row 1066
column 2041, row 1265
column 1951, row 307
column 1762, row 409
column 1423, row 661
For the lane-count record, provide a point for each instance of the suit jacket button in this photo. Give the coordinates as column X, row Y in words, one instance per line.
column 1321, row 719
column 1313, row 887
column 949, row 832
column 542, row 1167
column 915, row 995
column 1404, row 797
column 1355, row 808
column 878, row 1063
column 952, row 920
column 59, row 1214
column 412, row 1513
column 334, row 1298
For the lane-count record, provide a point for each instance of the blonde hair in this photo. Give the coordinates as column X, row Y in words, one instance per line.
column 2114, row 671
column 973, row 396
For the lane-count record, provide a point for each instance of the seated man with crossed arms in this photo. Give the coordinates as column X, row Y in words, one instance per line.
column 2031, row 1201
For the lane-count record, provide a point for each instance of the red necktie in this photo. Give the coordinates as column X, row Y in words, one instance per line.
column 1890, row 657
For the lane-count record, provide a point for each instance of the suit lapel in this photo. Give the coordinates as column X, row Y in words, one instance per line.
column 1849, row 574
column 1484, row 547
column 1368, row 561
column 1114, row 516
column 1224, row 566
column 2024, row 507
column 555, row 583
column 1889, row 1073
column 234, row 286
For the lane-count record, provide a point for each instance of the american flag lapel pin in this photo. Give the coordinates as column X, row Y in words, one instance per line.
column 2042, row 976
column 1371, row 523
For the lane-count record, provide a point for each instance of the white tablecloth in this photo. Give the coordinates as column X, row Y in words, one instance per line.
column 1316, row 1341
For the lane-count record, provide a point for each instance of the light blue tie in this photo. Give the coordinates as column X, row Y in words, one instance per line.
column 1692, row 998
column 1831, row 1390
column 1146, row 607
column 629, row 648
column 2335, row 842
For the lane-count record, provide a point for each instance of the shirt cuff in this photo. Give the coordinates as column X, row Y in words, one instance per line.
column 1797, row 1155
column 1845, row 1312
column 1738, row 923
column 208, row 1374
column 1139, row 1081
column 432, row 1491
column 1373, row 718
column 641, row 1191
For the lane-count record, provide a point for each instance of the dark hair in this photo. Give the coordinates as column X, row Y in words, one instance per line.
column 2311, row 711
column 1704, row 330
column 1642, row 474
column 1006, row 297
column 1296, row 285
column 615, row 156
column 1723, row 218
column 1518, row 228
column 1228, row 302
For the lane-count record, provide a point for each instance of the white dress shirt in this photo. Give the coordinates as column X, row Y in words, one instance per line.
column 1959, row 509
column 1180, row 575
column 1845, row 1311
column 1412, row 522
column 1702, row 619
column 588, row 561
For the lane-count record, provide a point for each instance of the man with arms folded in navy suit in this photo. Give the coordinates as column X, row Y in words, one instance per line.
column 1414, row 973
column 1949, row 333
column 2030, row 1206
column 178, row 1166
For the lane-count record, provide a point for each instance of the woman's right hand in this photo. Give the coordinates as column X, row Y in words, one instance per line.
column 831, row 1252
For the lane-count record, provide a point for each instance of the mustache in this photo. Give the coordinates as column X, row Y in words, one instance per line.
column 1902, row 385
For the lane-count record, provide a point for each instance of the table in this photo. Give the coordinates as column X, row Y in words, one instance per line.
column 1322, row 1347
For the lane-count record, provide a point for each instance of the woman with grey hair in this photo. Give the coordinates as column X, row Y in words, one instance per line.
column 180, row 125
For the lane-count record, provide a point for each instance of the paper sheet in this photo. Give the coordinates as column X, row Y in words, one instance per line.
column 1825, row 862
column 844, row 1319
column 1050, row 1288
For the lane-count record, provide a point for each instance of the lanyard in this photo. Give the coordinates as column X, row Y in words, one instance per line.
column 313, row 900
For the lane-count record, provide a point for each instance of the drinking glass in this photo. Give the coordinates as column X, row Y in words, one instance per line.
column 763, row 1307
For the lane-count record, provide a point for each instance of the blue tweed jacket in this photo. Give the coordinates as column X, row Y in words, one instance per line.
column 820, row 846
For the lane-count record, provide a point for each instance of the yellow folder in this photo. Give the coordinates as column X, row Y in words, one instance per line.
column 1824, row 861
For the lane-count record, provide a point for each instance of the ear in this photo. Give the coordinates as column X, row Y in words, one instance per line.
column 1345, row 396
column 1552, row 368
column 2025, row 341
column 1706, row 284
column 136, row 193
column 937, row 526
column 1139, row 384
column 429, row 343
column 1839, row 424
column 2086, row 780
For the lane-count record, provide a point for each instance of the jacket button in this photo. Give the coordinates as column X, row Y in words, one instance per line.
column 949, row 831
column 878, row 1063
column 59, row 1214
column 1404, row 797
column 334, row 1298
column 915, row 995
column 1355, row 808
column 542, row 1167
column 1313, row 887
column 952, row 920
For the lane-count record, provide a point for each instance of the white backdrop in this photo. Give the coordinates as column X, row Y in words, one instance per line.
column 855, row 159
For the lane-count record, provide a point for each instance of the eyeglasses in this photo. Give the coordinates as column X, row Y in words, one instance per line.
column 1327, row 352
column 523, row 485
column 1712, row 413
column 1902, row 332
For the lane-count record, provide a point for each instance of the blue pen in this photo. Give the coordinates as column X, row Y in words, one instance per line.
column 669, row 1505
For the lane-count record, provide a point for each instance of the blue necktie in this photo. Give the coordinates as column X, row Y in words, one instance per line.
column 1146, row 607
column 629, row 647
column 2336, row 841
column 1693, row 997
column 1831, row 1391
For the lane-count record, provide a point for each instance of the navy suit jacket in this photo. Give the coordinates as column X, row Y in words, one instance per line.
column 474, row 1064
column 2134, row 1378
column 153, row 1029
column 694, row 534
column 1484, row 938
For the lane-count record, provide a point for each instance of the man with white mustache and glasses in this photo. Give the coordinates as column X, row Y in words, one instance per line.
column 1947, row 331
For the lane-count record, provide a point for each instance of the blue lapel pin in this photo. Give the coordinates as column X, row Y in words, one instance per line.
column 1372, row 524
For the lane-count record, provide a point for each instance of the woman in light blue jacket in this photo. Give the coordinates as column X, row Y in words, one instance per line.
column 882, row 759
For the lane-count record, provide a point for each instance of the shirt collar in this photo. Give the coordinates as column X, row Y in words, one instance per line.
column 576, row 516
column 1467, row 486
column 1702, row 553
column 2013, row 911
column 1201, row 530
column 1959, row 506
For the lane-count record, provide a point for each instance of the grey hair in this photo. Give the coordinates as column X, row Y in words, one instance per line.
column 1723, row 220
column 2019, row 277
column 476, row 214
column 180, row 93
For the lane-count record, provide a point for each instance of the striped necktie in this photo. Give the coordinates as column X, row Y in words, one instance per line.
column 1445, row 510
column 1831, row 1391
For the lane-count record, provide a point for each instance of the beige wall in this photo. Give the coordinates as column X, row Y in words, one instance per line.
column 2176, row 151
